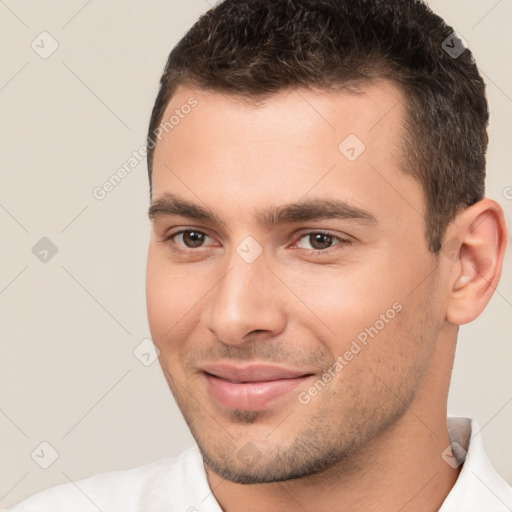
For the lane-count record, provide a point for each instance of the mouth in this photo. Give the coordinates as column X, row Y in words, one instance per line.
column 251, row 387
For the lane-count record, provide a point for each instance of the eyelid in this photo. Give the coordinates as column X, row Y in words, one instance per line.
column 342, row 239
column 171, row 236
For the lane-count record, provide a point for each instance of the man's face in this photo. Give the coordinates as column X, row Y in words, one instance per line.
column 290, row 336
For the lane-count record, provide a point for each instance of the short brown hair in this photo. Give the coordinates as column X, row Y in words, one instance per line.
column 255, row 48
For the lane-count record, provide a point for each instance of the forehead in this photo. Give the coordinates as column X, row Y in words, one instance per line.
column 296, row 142
column 359, row 110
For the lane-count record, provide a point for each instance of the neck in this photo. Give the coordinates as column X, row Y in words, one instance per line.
column 401, row 469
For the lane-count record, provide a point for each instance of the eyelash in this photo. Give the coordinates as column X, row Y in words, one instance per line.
column 341, row 241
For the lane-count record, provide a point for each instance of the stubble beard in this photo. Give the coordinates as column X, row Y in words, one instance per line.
column 319, row 447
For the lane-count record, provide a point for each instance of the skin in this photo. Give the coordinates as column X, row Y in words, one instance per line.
column 372, row 438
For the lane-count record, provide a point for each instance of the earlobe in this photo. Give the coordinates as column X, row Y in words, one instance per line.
column 476, row 269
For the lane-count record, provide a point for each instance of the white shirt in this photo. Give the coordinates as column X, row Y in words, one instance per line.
column 180, row 485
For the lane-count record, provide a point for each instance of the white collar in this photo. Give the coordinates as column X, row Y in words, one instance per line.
column 479, row 488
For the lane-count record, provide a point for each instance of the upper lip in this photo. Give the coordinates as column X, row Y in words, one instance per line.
column 252, row 372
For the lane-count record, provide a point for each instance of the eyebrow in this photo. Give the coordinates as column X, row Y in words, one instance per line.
column 302, row 211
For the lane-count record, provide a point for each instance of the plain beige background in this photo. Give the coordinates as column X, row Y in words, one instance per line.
column 69, row 326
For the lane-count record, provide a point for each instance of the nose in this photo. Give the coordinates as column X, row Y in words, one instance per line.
column 245, row 301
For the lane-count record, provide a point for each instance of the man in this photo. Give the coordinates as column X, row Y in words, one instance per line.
column 320, row 231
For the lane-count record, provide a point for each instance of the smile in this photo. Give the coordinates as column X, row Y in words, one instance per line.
column 251, row 387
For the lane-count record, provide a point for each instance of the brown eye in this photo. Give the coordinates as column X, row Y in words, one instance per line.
column 320, row 241
column 317, row 241
column 191, row 239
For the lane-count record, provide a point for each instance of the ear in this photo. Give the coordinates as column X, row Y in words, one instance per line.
column 475, row 245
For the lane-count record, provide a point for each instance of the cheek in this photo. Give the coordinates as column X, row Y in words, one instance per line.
column 166, row 297
column 348, row 300
column 370, row 304
column 175, row 295
column 168, row 324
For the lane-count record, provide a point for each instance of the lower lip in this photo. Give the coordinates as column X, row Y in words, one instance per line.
column 249, row 396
